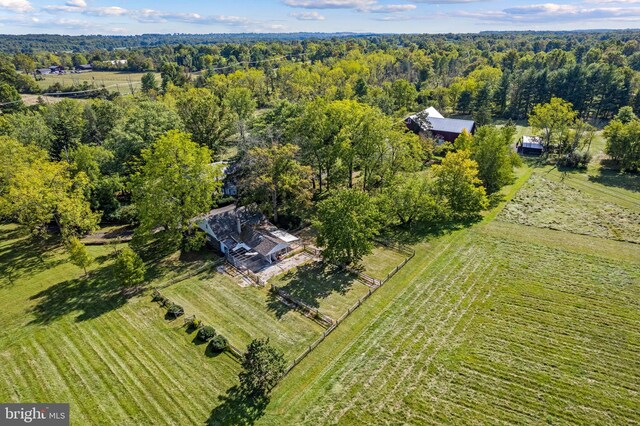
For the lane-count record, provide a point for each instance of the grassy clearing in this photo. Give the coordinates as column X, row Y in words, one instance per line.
column 481, row 329
column 120, row 80
column 243, row 314
column 547, row 203
column 381, row 261
column 330, row 291
column 69, row 338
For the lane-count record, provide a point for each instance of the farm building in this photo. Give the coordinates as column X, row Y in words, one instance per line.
column 430, row 123
column 56, row 68
column 43, row 71
column 530, row 145
column 245, row 237
column 85, row 67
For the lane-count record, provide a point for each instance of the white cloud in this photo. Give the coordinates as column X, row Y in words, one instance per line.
column 330, row 4
column 307, row 16
column 20, row 6
column 553, row 12
column 390, row 8
column 76, row 3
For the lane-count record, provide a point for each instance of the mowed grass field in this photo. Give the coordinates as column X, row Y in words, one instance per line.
column 67, row 338
column 116, row 81
column 500, row 323
column 243, row 314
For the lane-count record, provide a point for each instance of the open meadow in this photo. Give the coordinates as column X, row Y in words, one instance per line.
column 501, row 323
column 505, row 322
column 115, row 81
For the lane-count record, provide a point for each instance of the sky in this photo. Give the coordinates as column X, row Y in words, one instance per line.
column 362, row 16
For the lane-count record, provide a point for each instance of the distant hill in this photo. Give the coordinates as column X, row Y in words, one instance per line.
column 31, row 43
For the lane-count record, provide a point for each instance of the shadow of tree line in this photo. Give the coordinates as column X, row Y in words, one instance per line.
column 310, row 284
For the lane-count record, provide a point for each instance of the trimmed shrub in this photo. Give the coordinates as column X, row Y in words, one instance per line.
column 218, row 343
column 206, row 333
column 175, row 310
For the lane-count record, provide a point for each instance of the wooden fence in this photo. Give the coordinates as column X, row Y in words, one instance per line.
column 374, row 284
column 313, row 313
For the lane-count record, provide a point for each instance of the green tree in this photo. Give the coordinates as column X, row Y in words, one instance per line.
column 173, row 74
column 273, row 177
column 139, row 128
column 78, row 254
column 262, row 368
column 66, row 121
column 149, row 83
column 36, row 192
column 100, row 118
column 410, row 199
column 10, row 98
column 209, row 120
column 553, row 120
column 175, row 184
column 457, row 182
column 241, row 102
column 28, row 127
column 130, row 268
column 491, row 150
column 346, row 222
column 623, row 140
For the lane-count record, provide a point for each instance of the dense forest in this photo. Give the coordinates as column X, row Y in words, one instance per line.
column 312, row 126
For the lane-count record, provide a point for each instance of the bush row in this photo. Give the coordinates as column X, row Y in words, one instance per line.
column 173, row 309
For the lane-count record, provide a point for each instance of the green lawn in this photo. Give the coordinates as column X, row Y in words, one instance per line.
column 67, row 338
column 116, row 80
column 483, row 327
column 546, row 201
column 243, row 314
column 325, row 288
column 382, row 261
column 500, row 323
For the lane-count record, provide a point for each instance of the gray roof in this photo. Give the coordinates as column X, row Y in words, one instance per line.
column 450, row 125
column 532, row 142
column 224, row 221
column 260, row 242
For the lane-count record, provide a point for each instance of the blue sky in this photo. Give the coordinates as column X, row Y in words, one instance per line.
column 383, row 16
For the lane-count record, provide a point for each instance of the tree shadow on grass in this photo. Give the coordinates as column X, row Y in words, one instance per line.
column 418, row 232
column 609, row 177
column 237, row 408
column 91, row 296
column 24, row 256
column 310, row 284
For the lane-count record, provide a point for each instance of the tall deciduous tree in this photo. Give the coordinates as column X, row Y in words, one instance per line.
column 273, row 177
column 176, row 183
column 36, row 191
column 142, row 124
column 553, row 120
column 457, row 182
column 66, row 121
column 347, row 221
column 209, row 120
column 262, row 368
column 242, row 104
column 491, row 149
column 623, row 140
column 130, row 268
column 78, row 254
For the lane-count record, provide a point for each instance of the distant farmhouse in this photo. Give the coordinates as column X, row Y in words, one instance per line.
column 85, row 67
column 530, row 145
column 245, row 237
column 53, row 69
column 430, row 123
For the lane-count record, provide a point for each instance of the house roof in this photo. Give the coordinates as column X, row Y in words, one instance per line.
column 224, row 221
column 440, row 124
column 450, row 125
column 260, row 242
column 532, row 142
